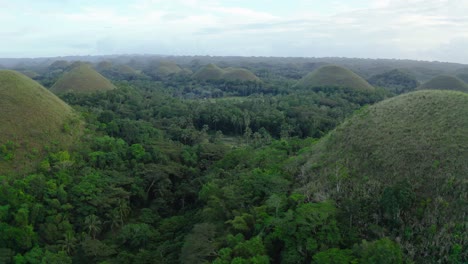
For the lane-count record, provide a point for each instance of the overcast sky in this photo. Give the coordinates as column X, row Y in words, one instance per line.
column 408, row 29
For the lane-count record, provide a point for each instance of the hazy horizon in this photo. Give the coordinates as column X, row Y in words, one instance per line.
column 432, row 30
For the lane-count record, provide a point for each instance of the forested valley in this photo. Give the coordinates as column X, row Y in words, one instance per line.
column 171, row 168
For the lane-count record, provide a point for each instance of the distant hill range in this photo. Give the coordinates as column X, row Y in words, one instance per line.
column 284, row 67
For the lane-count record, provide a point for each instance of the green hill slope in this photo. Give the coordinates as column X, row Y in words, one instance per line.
column 32, row 118
column 81, row 79
column 399, row 166
column 334, row 76
column 396, row 80
column 445, row 82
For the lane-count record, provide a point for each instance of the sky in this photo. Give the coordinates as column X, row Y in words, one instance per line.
column 402, row 29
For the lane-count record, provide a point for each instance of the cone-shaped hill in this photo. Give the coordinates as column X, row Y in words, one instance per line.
column 234, row 74
column 209, row 72
column 186, row 72
column 31, row 118
column 30, row 74
column 444, row 82
column 212, row 72
column 104, row 66
column 116, row 72
column 396, row 80
column 82, row 79
column 404, row 159
column 160, row 69
column 462, row 74
column 125, row 69
column 334, row 76
column 167, row 68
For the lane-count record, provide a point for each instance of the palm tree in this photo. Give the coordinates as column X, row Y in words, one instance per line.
column 124, row 210
column 93, row 224
column 68, row 242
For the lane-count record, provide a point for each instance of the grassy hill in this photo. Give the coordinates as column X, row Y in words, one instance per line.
column 81, row 79
column 104, row 66
column 116, row 72
column 213, row 72
column 462, row 74
column 233, row 74
column 334, row 76
column 209, row 72
column 161, row 69
column 125, row 69
column 186, row 72
column 167, row 68
column 397, row 81
column 32, row 118
column 445, row 82
column 399, row 166
column 30, row 74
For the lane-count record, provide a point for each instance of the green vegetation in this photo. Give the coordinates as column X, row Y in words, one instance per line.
column 397, row 169
column 81, row 79
column 32, row 119
column 212, row 72
column 334, row 76
column 172, row 169
column 445, row 82
column 396, row 81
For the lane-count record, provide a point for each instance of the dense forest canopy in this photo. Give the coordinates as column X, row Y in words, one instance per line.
column 169, row 168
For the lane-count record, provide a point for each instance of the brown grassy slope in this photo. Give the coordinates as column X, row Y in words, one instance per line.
column 32, row 118
column 239, row 74
column 166, row 68
column 209, row 72
column 418, row 140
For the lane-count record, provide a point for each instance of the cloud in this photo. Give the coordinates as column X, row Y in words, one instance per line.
column 429, row 29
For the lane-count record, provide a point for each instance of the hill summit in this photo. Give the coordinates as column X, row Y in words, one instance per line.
column 334, row 76
column 445, row 82
column 32, row 118
column 81, row 79
column 405, row 160
column 212, row 72
column 166, row 68
column 162, row 69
